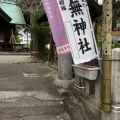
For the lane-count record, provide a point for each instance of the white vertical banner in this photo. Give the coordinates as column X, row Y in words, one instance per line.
column 79, row 30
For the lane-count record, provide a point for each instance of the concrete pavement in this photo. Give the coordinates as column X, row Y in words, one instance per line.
column 8, row 58
column 27, row 90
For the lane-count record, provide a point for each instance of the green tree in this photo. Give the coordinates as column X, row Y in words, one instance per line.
column 17, row 35
column 116, row 14
column 26, row 30
column 40, row 32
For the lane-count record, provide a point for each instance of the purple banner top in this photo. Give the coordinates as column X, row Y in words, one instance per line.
column 57, row 26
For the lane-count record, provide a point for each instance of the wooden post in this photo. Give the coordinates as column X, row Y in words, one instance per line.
column 12, row 38
column 106, row 48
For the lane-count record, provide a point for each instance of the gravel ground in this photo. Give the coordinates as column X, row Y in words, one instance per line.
column 15, row 59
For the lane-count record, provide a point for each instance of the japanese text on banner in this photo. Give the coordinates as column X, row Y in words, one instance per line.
column 78, row 26
column 57, row 26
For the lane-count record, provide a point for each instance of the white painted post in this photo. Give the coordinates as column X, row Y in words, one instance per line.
column 115, row 84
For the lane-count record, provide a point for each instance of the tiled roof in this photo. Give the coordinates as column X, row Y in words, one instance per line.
column 4, row 16
column 13, row 11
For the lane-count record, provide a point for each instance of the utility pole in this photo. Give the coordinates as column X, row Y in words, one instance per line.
column 106, row 59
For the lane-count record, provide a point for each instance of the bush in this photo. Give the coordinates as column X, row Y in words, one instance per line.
column 39, row 32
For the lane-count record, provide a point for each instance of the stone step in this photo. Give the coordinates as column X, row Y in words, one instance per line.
column 29, row 107
column 14, row 53
column 41, row 117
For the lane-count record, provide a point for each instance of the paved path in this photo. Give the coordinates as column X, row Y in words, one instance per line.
column 27, row 90
column 15, row 58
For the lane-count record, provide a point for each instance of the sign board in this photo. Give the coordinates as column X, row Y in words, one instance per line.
column 57, row 26
column 79, row 30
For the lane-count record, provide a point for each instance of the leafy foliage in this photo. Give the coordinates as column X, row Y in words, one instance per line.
column 16, row 34
column 115, row 44
column 40, row 32
column 116, row 14
column 115, row 24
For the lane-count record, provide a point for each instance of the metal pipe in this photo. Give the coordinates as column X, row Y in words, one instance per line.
column 79, row 86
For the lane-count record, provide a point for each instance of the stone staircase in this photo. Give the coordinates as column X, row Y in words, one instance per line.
column 32, row 109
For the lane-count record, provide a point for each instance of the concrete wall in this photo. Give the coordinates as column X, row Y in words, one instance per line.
column 90, row 96
column 115, row 84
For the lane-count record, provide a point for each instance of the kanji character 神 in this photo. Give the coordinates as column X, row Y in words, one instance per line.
column 80, row 26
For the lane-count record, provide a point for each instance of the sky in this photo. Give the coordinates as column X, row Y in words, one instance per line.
column 100, row 1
